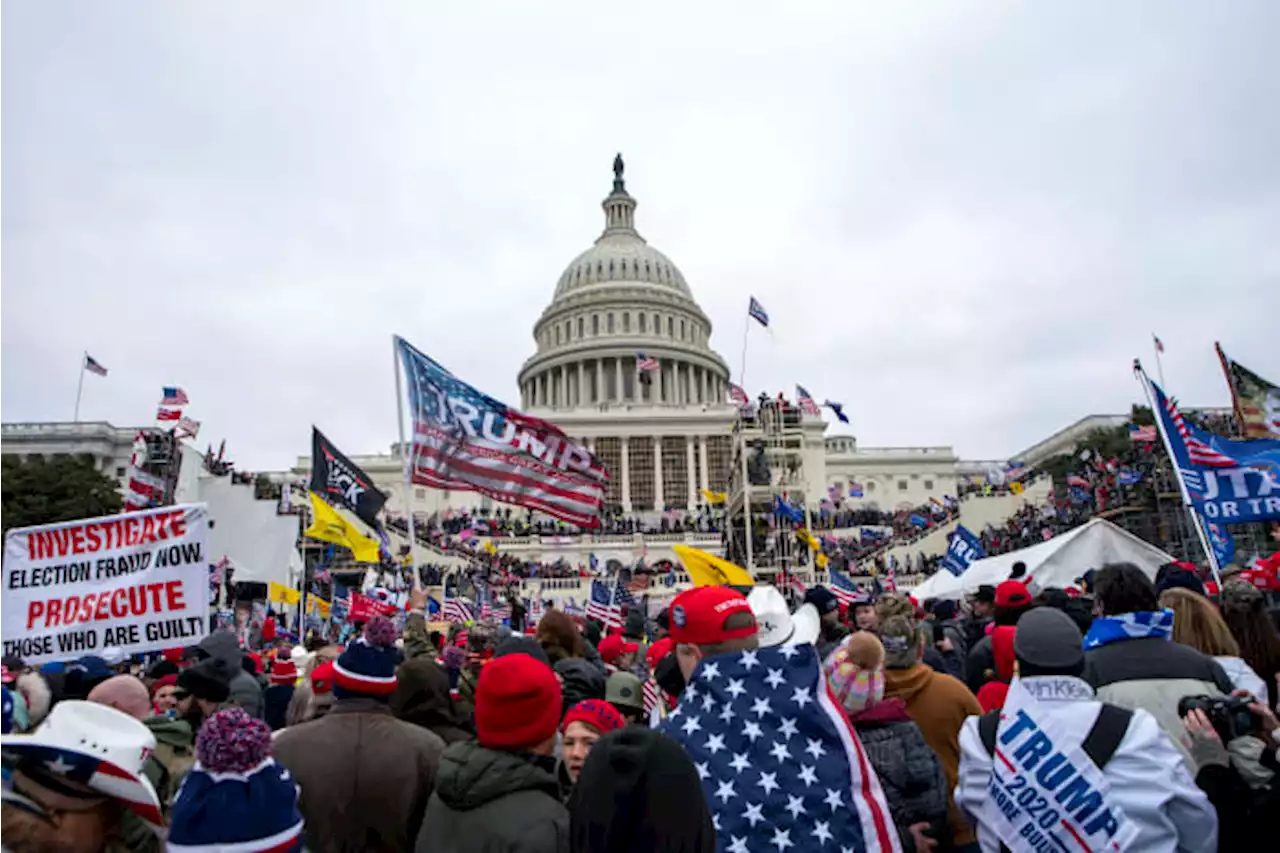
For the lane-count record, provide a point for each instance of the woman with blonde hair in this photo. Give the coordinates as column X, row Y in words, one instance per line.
column 1197, row 623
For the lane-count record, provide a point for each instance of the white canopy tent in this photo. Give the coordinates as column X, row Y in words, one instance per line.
column 1053, row 563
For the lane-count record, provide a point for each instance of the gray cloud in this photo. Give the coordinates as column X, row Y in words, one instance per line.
column 965, row 225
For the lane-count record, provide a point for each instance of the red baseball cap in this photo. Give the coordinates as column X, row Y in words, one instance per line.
column 659, row 650
column 698, row 615
column 614, row 646
column 1012, row 594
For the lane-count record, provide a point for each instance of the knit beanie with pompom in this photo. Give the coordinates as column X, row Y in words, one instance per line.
column 236, row 797
column 367, row 668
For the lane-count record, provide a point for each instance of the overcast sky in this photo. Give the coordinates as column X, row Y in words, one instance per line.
column 964, row 219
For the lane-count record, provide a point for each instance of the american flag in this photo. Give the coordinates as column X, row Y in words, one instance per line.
column 91, row 364
column 646, row 363
column 457, row 610
column 90, row 771
column 738, row 396
column 168, row 414
column 170, row 396
column 1200, row 452
column 855, row 489
column 781, row 766
column 1142, row 433
column 321, row 576
column 806, row 402
column 1078, row 481
column 603, row 604
column 756, row 312
column 843, row 586
column 189, row 427
column 466, row 440
column 652, row 695
column 1159, row 343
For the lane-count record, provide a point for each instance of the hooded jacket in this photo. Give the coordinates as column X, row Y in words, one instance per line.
column 422, row 697
column 493, row 802
column 245, row 690
column 175, row 754
column 639, row 793
column 1147, row 777
column 939, row 705
column 580, row 679
column 909, row 771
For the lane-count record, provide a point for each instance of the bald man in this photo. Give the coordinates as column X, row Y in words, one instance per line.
column 124, row 693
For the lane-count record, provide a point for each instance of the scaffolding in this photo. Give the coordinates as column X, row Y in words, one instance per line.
column 768, row 466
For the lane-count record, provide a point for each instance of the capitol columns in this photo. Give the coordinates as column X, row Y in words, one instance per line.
column 564, row 386
column 617, row 384
column 582, row 383
column 689, row 468
column 659, row 498
column 625, row 444
column 702, row 457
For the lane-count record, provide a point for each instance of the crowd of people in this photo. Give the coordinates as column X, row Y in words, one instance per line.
column 1141, row 706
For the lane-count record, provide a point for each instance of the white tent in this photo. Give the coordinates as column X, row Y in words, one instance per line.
column 1056, row 562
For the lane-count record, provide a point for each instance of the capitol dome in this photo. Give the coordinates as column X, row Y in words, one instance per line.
column 616, row 302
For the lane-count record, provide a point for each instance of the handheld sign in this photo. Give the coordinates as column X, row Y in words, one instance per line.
column 138, row 581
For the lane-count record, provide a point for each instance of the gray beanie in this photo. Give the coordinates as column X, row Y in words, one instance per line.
column 1047, row 638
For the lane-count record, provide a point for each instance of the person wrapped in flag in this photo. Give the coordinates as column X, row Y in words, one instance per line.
column 781, row 766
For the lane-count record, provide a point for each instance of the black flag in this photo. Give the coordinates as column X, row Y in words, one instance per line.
column 340, row 482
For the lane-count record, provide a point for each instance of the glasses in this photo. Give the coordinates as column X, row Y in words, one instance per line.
column 179, row 694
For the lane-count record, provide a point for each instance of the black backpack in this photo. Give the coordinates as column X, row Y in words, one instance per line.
column 1100, row 743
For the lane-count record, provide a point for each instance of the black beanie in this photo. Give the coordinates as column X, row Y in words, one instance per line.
column 210, row 680
column 638, row 793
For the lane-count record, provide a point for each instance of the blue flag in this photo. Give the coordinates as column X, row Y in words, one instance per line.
column 780, row 765
column 1127, row 477
column 963, row 549
column 785, row 510
column 918, row 520
column 838, row 409
column 757, row 312
column 1221, row 541
column 1226, row 479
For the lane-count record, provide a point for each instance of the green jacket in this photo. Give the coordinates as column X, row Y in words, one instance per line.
column 417, row 643
column 175, row 755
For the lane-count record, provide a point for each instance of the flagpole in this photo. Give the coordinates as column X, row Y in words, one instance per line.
column 1196, row 521
column 746, row 492
column 406, row 457
column 1156, row 345
column 742, row 374
column 80, row 385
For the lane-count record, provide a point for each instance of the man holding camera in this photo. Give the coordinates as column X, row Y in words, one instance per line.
column 1058, row 769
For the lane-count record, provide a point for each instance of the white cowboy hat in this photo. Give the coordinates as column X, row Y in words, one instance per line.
column 96, row 746
column 776, row 625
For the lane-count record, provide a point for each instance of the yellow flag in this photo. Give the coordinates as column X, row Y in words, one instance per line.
column 709, row 570
column 821, row 560
column 278, row 593
column 317, row 607
column 1016, row 487
column 714, row 498
column 490, row 548
column 808, row 538
column 329, row 526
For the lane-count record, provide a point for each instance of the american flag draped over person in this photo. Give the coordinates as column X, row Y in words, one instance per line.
column 780, row 763
column 464, row 439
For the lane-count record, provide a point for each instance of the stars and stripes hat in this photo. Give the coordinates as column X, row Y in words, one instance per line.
column 698, row 616
column 237, row 797
column 83, row 749
column 368, row 666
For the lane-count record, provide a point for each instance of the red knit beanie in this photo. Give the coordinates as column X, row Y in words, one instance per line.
column 597, row 713
column 517, row 703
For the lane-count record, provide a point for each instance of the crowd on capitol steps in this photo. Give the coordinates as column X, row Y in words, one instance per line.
column 1123, row 713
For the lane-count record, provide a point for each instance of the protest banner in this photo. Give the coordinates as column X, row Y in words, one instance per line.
column 963, row 549
column 137, row 581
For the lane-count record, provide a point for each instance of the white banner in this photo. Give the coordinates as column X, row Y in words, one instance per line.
column 137, row 581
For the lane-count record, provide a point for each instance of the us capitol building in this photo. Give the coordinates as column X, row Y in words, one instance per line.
column 665, row 439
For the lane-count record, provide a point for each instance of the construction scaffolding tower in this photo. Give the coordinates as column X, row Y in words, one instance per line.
column 768, row 466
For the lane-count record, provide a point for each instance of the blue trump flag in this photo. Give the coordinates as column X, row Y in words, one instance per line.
column 464, row 439
column 1221, row 541
column 963, row 549
column 780, row 764
column 1225, row 480
column 785, row 510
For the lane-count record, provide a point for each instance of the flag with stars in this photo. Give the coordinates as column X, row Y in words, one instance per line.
column 782, row 767
column 466, row 440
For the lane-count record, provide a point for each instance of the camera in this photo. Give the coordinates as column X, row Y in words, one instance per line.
column 1230, row 715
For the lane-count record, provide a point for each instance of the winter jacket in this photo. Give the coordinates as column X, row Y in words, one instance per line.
column 1243, row 676
column 275, row 705
column 909, row 771
column 493, row 802
column 979, row 664
column 174, row 755
column 829, row 637
column 1147, row 779
column 939, row 705
column 245, row 690
column 579, row 679
column 422, row 697
column 1248, row 818
column 1152, row 673
column 365, row 776
column 417, row 642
